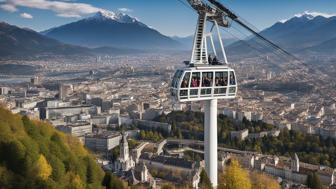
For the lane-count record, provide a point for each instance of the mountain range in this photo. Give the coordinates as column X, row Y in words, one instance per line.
column 118, row 33
column 113, row 30
column 307, row 32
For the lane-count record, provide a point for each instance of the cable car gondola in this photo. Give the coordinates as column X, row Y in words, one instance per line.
column 205, row 78
column 204, row 83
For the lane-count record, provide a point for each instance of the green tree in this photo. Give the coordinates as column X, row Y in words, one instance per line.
column 313, row 181
column 6, row 178
column 112, row 182
column 205, row 182
column 13, row 153
column 168, row 187
column 73, row 181
column 58, row 170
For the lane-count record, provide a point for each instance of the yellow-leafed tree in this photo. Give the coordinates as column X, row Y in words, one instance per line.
column 262, row 181
column 235, row 177
column 42, row 168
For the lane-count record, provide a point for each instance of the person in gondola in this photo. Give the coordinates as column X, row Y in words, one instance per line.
column 214, row 61
column 221, row 82
column 210, row 59
column 205, row 81
column 225, row 82
column 232, row 80
column 194, row 82
column 217, row 81
column 184, row 84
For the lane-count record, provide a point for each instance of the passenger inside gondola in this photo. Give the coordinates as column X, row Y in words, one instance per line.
column 215, row 61
column 224, row 81
column 217, row 81
column 195, row 79
column 206, row 82
column 194, row 82
column 184, row 84
column 232, row 79
column 185, row 81
column 210, row 59
column 207, row 79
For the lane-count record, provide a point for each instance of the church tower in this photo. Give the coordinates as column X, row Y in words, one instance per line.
column 295, row 163
column 144, row 173
column 124, row 151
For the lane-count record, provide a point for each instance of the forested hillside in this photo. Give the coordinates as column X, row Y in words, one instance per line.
column 34, row 155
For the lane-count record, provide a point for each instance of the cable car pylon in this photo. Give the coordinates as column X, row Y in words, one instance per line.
column 207, row 78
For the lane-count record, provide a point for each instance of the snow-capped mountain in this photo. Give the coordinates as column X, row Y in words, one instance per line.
column 310, row 15
column 118, row 17
column 111, row 29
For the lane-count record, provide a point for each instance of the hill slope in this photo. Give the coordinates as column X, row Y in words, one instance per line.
column 15, row 42
column 34, row 155
column 110, row 29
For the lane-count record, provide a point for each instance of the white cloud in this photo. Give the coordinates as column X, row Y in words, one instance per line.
column 8, row 7
column 125, row 9
column 26, row 15
column 68, row 15
column 61, row 8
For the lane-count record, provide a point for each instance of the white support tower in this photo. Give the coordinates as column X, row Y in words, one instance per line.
column 200, row 57
column 210, row 140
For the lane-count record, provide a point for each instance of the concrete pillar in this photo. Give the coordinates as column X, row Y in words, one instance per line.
column 210, row 141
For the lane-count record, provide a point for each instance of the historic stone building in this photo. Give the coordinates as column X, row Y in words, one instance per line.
column 125, row 161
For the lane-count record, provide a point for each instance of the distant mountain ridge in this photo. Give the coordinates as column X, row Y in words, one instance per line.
column 111, row 30
column 306, row 31
column 303, row 30
column 16, row 42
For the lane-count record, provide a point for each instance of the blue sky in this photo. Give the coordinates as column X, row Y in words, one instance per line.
column 170, row 17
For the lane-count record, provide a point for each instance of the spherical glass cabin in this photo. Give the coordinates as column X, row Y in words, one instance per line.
column 204, row 83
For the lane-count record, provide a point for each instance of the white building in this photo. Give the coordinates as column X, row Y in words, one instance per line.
column 4, row 90
column 247, row 115
column 125, row 161
column 76, row 129
column 240, row 135
column 102, row 142
column 230, row 113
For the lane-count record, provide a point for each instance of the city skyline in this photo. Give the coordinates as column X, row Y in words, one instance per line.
column 175, row 19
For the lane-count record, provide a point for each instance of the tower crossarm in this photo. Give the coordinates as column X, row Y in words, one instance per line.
column 213, row 13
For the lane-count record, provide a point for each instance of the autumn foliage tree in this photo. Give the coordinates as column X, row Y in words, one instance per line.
column 42, row 169
column 263, row 181
column 235, row 177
